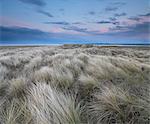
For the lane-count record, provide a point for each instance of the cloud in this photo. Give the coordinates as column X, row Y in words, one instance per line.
column 116, row 23
column 22, row 33
column 112, row 19
column 114, row 6
column 140, row 17
column 34, row 2
column 138, row 30
column 64, row 23
column 118, row 28
column 39, row 3
column 91, row 13
column 81, row 30
column 45, row 13
column 120, row 14
column 78, row 23
column 108, row 9
column 145, row 15
column 104, row 22
column 57, row 23
column 135, row 18
column 108, row 22
column 133, row 31
column 75, row 28
column 119, row 4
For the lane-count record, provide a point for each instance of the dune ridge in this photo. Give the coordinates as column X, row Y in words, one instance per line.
column 74, row 84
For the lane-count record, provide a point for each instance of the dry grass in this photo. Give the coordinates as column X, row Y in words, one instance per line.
column 74, row 84
column 114, row 105
column 49, row 106
column 15, row 112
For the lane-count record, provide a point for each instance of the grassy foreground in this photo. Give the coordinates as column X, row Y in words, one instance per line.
column 74, row 84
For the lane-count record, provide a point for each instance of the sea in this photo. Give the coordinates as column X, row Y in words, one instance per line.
column 57, row 43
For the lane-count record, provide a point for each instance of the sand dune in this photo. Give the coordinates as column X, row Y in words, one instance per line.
column 75, row 84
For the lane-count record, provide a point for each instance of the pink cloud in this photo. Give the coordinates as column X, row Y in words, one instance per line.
column 57, row 29
column 6, row 21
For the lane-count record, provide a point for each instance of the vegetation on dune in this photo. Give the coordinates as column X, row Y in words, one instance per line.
column 74, row 84
column 49, row 106
column 114, row 105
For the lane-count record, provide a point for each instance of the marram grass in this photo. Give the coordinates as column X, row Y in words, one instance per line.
column 74, row 85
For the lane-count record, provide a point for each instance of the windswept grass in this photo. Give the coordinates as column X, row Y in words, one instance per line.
column 74, row 84
column 115, row 105
column 49, row 106
column 15, row 112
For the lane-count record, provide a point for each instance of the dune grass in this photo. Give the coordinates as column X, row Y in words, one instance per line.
column 74, row 84
column 115, row 105
column 47, row 105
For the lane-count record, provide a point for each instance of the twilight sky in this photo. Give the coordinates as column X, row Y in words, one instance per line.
column 119, row 21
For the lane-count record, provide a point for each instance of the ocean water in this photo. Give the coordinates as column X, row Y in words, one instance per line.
column 59, row 42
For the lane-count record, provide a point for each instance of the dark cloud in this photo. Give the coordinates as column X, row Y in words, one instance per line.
column 91, row 13
column 139, row 17
column 21, row 33
column 114, row 6
column 74, row 28
column 108, row 9
column 108, row 22
column 138, row 30
column 104, row 22
column 119, row 4
column 145, row 15
column 112, row 19
column 81, row 30
column 118, row 28
column 120, row 14
column 34, row 2
column 39, row 3
column 78, row 23
column 57, row 23
column 135, row 18
column 116, row 23
column 45, row 13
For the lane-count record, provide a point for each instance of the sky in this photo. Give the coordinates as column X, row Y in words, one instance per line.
column 74, row 21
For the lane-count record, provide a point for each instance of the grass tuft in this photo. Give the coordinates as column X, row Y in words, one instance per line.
column 47, row 105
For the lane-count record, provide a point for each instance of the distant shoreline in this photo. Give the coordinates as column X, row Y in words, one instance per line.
column 94, row 44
